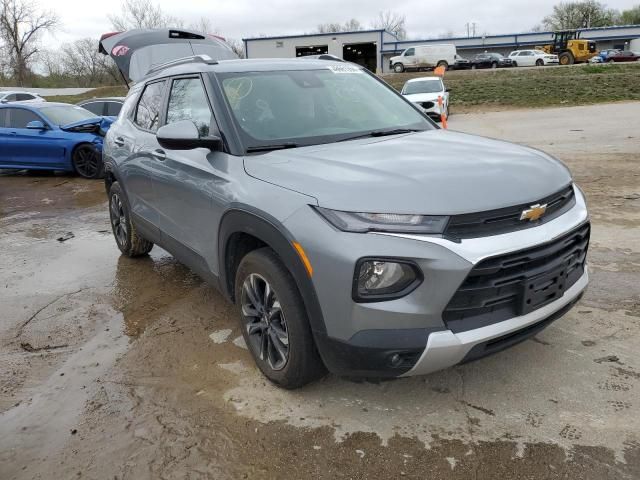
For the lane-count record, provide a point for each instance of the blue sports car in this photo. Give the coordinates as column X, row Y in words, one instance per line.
column 52, row 136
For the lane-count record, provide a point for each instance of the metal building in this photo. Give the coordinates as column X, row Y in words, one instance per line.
column 374, row 48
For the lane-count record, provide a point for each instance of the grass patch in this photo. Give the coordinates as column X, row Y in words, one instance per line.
column 544, row 87
column 99, row 92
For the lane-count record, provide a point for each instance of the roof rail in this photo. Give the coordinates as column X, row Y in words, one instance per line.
column 323, row 56
column 206, row 59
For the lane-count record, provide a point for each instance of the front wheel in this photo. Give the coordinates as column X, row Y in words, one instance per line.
column 515, row 64
column 494, row 65
column 274, row 321
column 539, row 63
column 398, row 68
column 443, row 64
column 129, row 241
column 473, row 67
column 87, row 161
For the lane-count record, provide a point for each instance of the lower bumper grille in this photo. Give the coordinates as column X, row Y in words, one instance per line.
column 517, row 283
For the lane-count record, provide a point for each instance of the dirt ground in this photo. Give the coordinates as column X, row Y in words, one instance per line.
column 131, row 369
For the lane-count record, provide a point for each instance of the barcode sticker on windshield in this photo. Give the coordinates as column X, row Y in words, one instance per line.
column 344, row 69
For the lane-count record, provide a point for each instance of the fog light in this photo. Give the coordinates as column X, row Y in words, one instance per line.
column 378, row 280
column 395, row 359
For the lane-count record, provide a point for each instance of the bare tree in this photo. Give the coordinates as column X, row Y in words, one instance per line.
column 142, row 14
column 82, row 61
column 237, row 46
column 586, row 13
column 21, row 25
column 352, row 25
column 391, row 22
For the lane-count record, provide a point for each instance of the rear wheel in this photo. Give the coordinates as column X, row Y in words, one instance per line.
column 87, row 161
column 129, row 241
column 398, row 68
column 566, row 58
column 274, row 321
column 611, row 61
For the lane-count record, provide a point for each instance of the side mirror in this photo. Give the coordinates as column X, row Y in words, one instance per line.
column 36, row 125
column 184, row 135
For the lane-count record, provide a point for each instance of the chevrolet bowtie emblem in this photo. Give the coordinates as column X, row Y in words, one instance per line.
column 534, row 213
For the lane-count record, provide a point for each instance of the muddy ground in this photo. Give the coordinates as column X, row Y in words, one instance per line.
column 130, row 369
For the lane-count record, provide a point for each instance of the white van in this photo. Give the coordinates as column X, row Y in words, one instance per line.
column 424, row 56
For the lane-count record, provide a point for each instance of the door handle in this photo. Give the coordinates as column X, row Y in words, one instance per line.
column 119, row 141
column 159, row 155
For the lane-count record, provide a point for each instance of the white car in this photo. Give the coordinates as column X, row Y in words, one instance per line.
column 7, row 96
column 532, row 58
column 424, row 92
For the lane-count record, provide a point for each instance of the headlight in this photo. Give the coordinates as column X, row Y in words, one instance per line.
column 384, row 279
column 383, row 222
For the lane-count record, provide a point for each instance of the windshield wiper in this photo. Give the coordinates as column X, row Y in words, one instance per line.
column 268, row 148
column 383, row 133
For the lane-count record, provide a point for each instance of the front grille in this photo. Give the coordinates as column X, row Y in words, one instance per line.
column 516, row 283
column 427, row 104
column 505, row 220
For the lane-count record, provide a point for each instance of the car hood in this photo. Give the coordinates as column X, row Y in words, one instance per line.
column 424, row 97
column 432, row 172
column 96, row 125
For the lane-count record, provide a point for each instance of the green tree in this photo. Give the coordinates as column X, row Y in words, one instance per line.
column 631, row 16
column 581, row 14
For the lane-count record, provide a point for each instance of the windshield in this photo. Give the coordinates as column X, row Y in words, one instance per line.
column 65, row 114
column 309, row 107
column 423, row 86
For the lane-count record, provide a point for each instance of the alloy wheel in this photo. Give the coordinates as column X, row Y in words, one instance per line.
column 264, row 321
column 118, row 219
column 86, row 161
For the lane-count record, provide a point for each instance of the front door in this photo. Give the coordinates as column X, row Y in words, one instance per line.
column 189, row 185
column 410, row 60
column 33, row 147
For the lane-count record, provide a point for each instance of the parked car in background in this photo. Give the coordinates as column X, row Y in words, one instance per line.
column 52, row 136
column 532, row 58
column 21, row 97
column 422, row 57
column 424, row 92
column 104, row 107
column 461, row 63
column 622, row 56
column 603, row 54
column 490, row 60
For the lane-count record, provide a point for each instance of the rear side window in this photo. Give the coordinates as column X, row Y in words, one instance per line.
column 148, row 110
column 97, row 108
column 113, row 109
column 188, row 101
column 24, row 96
column 19, row 118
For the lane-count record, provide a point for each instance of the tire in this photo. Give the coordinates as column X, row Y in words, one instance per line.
column 398, row 68
column 280, row 341
column 443, row 63
column 473, row 67
column 129, row 241
column 494, row 65
column 87, row 161
column 566, row 58
column 611, row 61
column 539, row 63
column 515, row 64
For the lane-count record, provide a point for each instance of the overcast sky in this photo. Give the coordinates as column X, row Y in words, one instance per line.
column 248, row 18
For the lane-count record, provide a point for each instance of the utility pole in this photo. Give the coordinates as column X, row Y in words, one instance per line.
column 471, row 29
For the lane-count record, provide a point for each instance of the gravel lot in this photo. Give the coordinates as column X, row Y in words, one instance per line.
column 120, row 368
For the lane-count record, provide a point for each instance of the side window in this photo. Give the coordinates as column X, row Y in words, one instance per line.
column 148, row 110
column 410, row 52
column 24, row 96
column 94, row 107
column 113, row 109
column 19, row 118
column 188, row 101
column 10, row 98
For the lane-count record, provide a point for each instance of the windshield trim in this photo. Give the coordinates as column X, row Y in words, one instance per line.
column 244, row 139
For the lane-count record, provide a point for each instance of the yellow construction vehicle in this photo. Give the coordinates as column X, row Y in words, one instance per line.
column 570, row 48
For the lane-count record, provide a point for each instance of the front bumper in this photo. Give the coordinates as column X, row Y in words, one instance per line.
column 361, row 338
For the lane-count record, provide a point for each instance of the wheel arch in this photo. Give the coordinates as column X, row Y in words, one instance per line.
column 242, row 231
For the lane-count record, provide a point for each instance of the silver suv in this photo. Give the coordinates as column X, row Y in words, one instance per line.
column 351, row 232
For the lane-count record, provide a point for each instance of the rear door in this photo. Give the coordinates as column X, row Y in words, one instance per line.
column 33, row 148
column 132, row 145
column 190, row 185
column 5, row 157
